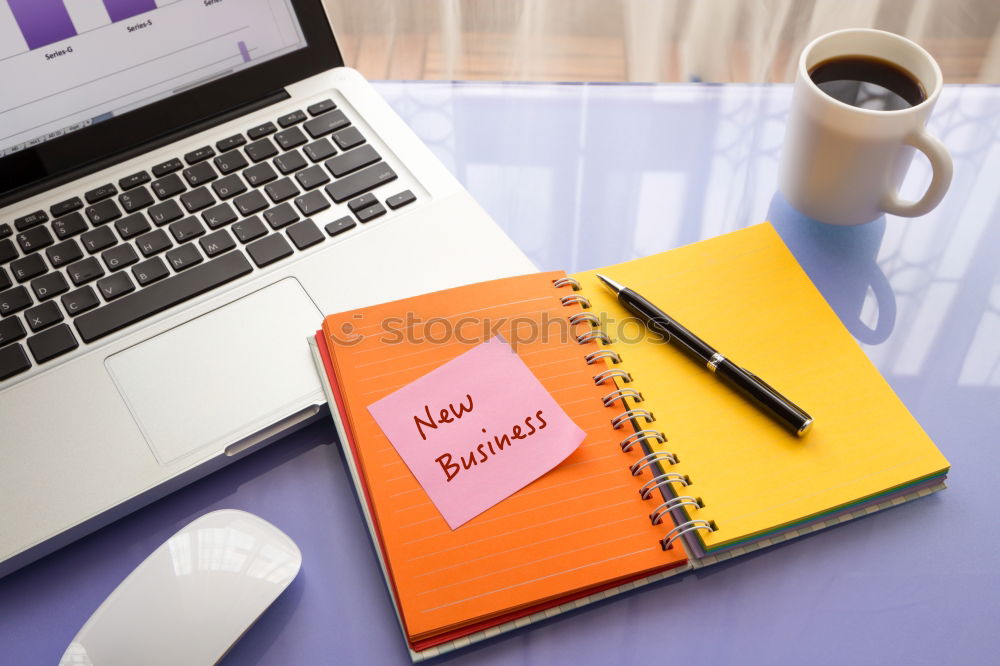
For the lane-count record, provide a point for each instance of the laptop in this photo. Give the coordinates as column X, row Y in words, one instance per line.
column 186, row 188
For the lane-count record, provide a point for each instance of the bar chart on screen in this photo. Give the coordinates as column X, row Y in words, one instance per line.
column 77, row 62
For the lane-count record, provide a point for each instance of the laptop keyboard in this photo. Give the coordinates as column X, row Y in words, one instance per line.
column 96, row 263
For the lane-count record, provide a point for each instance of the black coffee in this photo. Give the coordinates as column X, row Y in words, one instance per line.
column 868, row 83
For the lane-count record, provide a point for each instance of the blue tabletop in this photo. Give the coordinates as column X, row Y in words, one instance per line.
column 586, row 175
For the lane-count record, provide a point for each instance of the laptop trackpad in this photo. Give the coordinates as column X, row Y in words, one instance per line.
column 223, row 376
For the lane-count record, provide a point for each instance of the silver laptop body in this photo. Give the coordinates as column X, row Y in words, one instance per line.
column 163, row 394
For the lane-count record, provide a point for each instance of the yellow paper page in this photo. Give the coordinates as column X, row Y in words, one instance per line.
column 745, row 295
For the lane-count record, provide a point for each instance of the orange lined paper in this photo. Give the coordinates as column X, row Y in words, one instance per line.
column 578, row 527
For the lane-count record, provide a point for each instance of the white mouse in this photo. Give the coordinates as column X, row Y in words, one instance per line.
column 193, row 597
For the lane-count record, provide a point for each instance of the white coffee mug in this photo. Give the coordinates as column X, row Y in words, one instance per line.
column 842, row 164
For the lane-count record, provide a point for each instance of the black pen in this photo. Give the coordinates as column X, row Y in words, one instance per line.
column 777, row 405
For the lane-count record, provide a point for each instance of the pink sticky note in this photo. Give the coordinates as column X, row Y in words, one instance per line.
column 476, row 429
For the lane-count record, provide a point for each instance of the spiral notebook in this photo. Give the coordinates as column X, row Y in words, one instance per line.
column 675, row 472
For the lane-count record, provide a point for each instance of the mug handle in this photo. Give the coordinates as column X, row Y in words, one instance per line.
column 942, row 168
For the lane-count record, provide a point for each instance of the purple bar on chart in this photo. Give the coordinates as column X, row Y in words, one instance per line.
column 244, row 51
column 120, row 10
column 42, row 22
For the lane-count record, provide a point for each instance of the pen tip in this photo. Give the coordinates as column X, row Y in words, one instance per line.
column 611, row 284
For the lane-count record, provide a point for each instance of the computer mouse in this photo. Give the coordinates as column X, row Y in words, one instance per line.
column 193, row 597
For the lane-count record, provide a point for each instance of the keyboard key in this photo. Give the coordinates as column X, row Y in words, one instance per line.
column 261, row 130
column 98, row 239
column 13, row 361
column 360, row 182
column 187, row 229
column 135, row 180
column 34, row 239
column 162, row 295
column 321, row 107
column 168, row 186
column 305, row 234
column 14, row 300
column 183, row 257
column 63, row 253
column 312, row 177
column 269, row 249
column 165, row 213
column 400, row 200
column 260, row 150
column 64, row 207
column 150, row 271
column 196, row 200
column 25, row 268
column 29, row 220
column 216, row 243
column 281, row 190
column 290, row 138
column 164, row 168
column 98, row 193
column 249, row 229
column 250, row 203
column 114, row 286
column 132, row 226
column 84, row 271
column 79, row 301
column 120, row 256
column 371, row 212
column 218, row 216
column 260, row 174
column 229, row 187
column 200, row 174
column 312, row 203
column 230, row 162
column 290, row 162
column 69, row 225
column 234, row 141
column 52, row 343
column 137, row 199
column 42, row 316
column 348, row 138
column 10, row 330
column 154, row 242
column 281, row 216
column 291, row 118
column 340, row 226
column 7, row 251
column 49, row 285
column 103, row 212
column 352, row 161
column 5, row 281
column 326, row 123
column 199, row 155
column 320, row 150
column 364, row 201
column 5, row 230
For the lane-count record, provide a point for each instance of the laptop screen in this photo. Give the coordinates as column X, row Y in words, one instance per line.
column 69, row 64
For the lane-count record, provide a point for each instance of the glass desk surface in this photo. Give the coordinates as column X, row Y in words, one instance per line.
column 582, row 176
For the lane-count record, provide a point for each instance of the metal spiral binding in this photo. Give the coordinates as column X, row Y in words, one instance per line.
column 593, row 334
column 620, row 394
column 682, row 529
column 625, row 416
column 631, row 440
column 681, row 500
column 670, row 477
column 585, row 316
column 652, row 459
column 595, row 356
column 563, row 281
